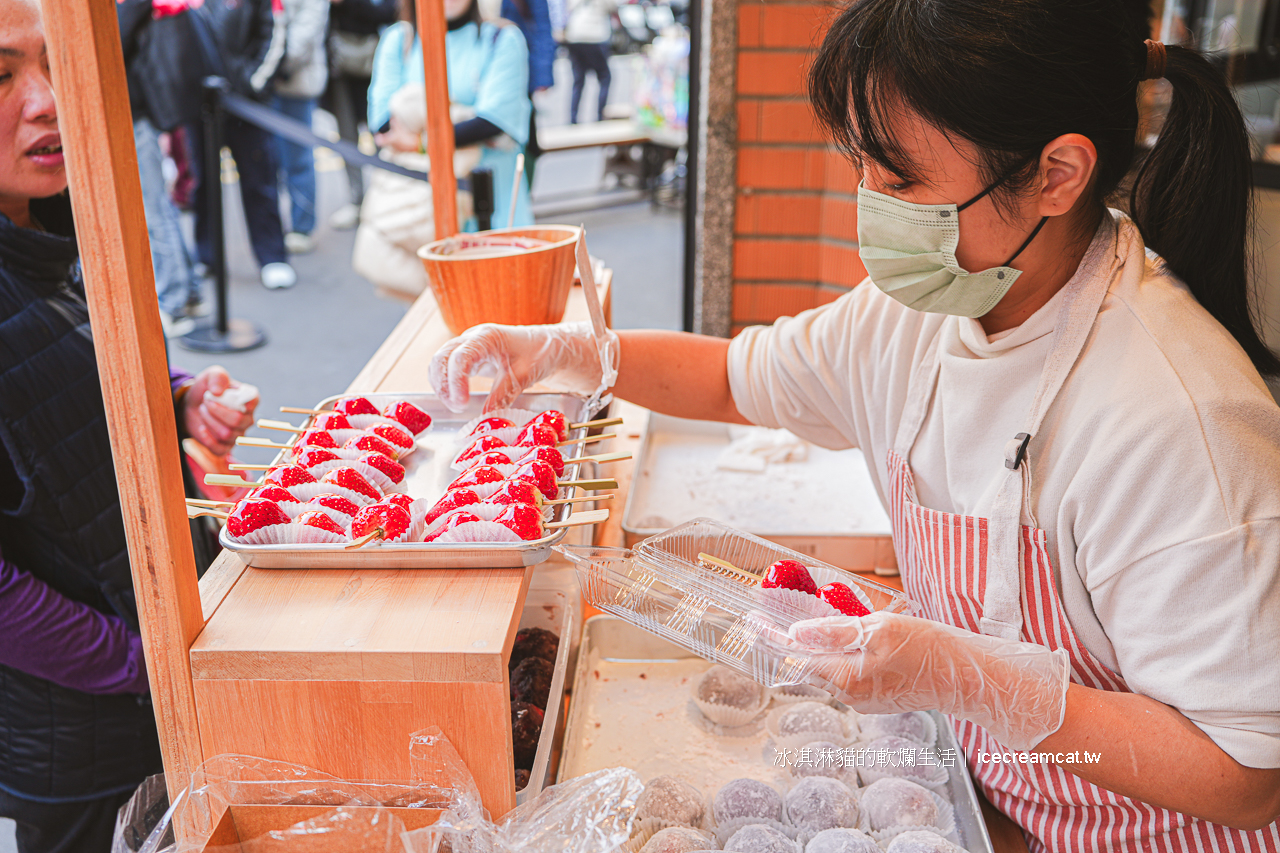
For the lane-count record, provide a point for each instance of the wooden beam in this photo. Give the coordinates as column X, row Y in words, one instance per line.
column 102, row 168
column 444, row 184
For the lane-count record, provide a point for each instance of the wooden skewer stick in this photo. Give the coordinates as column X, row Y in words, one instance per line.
column 586, row 439
column 251, row 441
column 196, row 512
column 578, row 500
column 599, row 422
column 363, row 540
column 294, row 410
column 585, row 485
column 727, row 569
column 228, row 480
column 594, row 516
column 249, row 466
column 280, row 425
column 600, row 458
column 203, row 502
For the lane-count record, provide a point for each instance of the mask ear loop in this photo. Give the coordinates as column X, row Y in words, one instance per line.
column 1027, row 242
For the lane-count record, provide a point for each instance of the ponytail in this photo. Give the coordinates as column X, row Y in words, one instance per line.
column 1191, row 199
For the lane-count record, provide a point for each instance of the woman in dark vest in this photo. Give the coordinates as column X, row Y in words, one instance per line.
column 77, row 730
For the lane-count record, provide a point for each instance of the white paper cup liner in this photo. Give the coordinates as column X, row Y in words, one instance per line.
column 512, row 454
column 728, row 715
column 704, row 823
column 804, row 605
column 724, row 831
column 293, row 509
column 796, row 739
column 479, row 531
column 307, row 491
column 750, row 728
column 789, row 693
column 870, row 728
column 945, row 827
column 290, row 534
column 373, row 475
column 642, row 831
column 342, row 436
column 363, row 422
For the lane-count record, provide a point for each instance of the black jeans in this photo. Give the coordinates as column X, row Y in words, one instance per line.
column 254, row 153
column 584, row 58
column 83, row 827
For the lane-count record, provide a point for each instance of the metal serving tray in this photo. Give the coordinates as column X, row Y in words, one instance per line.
column 631, row 708
column 427, row 472
column 826, row 506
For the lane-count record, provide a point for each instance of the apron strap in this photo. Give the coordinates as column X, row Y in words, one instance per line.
column 1002, row 601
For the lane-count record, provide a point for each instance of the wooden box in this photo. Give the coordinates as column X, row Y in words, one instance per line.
column 243, row 827
column 334, row 669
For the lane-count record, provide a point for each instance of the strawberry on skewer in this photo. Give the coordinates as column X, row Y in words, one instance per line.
column 453, row 499
column 408, row 415
column 355, row 406
column 336, row 504
column 321, row 521
column 350, row 478
column 380, row 521
column 252, row 514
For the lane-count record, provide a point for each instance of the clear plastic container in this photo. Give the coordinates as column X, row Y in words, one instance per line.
column 718, row 614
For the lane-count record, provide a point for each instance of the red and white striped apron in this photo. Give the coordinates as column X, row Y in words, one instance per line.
column 993, row 575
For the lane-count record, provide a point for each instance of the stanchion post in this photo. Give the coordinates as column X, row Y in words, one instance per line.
column 222, row 334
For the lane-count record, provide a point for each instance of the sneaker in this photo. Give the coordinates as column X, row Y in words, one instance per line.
column 278, row 275
column 176, row 327
column 297, row 243
column 197, row 306
column 345, row 218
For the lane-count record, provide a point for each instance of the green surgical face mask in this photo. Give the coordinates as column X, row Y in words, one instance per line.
column 909, row 252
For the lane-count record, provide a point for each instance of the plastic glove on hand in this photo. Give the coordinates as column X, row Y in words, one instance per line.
column 887, row 663
column 517, row 357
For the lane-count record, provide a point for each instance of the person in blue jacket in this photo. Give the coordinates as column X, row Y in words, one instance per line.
column 488, row 66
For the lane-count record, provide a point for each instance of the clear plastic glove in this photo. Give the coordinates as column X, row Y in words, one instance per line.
column 887, row 663
column 517, row 357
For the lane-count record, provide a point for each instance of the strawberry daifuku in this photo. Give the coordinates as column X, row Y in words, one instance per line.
column 842, row 598
column 350, row 478
column 337, row 503
column 355, row 406
column 393, row 469
column 556, row 420
column 406, row 413
column 288, row 475
column 321, row 521
column 253, row 514
column 331, row 420
column 789, row 574
column 388, row 521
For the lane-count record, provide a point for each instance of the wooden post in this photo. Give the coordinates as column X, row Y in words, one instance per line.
column 435, row 68
column 102, row 167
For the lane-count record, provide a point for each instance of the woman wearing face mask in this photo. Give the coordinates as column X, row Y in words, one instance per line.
column 488, row 72
column 1062, row 407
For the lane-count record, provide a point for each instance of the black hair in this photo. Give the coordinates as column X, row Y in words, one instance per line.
column 1009, row 76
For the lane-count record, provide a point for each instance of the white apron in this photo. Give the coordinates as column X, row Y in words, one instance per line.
column 994, row 576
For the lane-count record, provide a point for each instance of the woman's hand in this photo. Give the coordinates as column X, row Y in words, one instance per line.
column 214, row 425
column 399, row 138
column 517, row 357
column 888, row 663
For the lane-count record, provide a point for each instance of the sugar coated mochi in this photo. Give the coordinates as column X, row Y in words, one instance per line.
column 819, row 803
column 922, row 841
column 896, row 802
column 722, row 686
column 897, row 749
column 841, row 840
column 672, row 800
column 813, row 718
column 912, row 724
column 824, row 759
column 678, row 839
column 760, row 838
column 747, row 798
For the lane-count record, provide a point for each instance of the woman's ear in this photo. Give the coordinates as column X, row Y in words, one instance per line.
column 1068, row 165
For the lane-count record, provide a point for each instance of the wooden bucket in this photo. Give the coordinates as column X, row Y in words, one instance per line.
column 523, row 288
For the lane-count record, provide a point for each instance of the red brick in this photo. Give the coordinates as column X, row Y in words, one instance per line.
column 787, row 121
column 841, row 266
column 842, row 176
column 787, row 25
column 763, row 72
column 780, row 168
column 750, row 18
column 748, row 120
column 839, row 217
column 764, row 303
column 737, row 328
column 781, row 215
column 775, row 260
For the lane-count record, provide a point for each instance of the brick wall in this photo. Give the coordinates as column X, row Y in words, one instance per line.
column 795, row 220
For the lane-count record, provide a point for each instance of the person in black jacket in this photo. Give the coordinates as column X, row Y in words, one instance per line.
column 77, row 728
column 249, row 41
